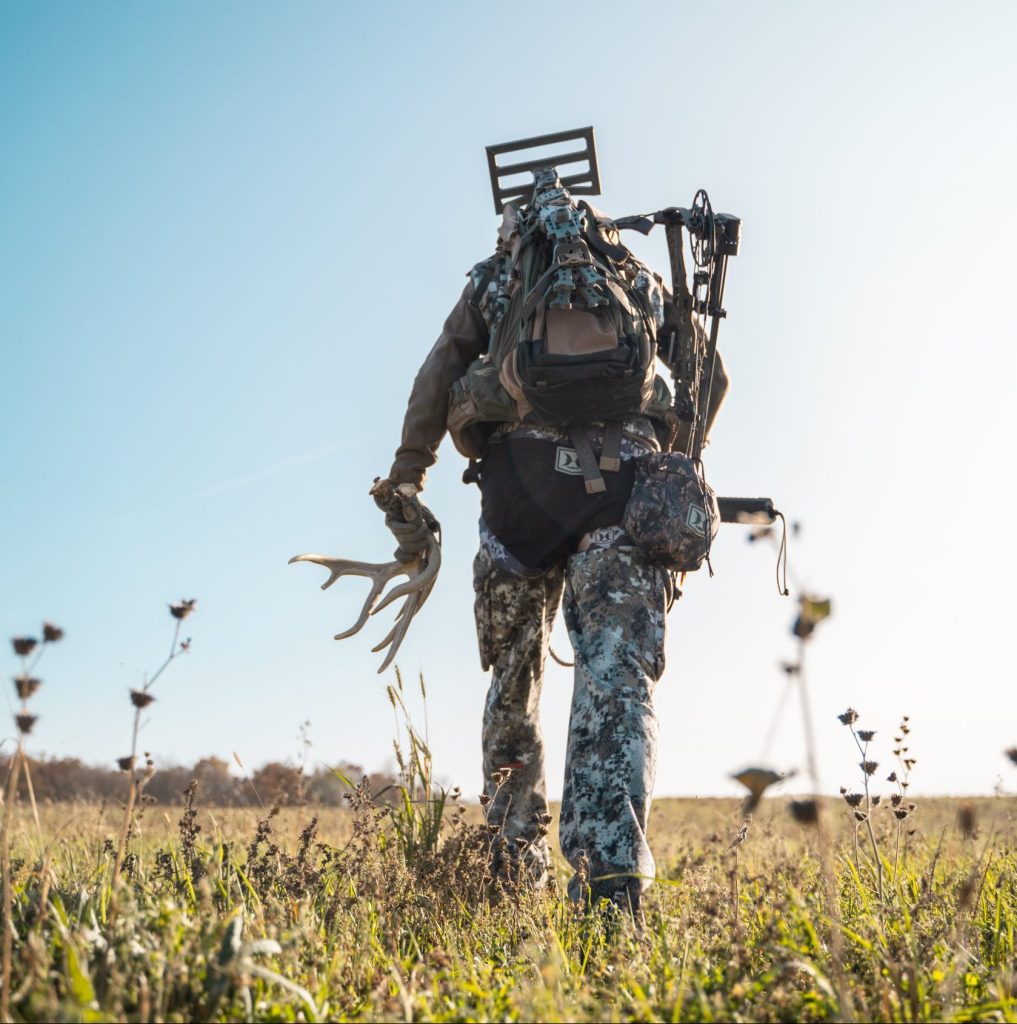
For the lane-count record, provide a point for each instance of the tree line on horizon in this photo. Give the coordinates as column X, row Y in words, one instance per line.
column 275, row 783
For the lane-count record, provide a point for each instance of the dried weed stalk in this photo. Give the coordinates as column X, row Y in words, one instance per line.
column 141, row 699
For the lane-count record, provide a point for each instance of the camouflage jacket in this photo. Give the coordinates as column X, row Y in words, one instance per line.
column 463, row 338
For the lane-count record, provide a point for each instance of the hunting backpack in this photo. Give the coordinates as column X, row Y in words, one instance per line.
column 573, row 319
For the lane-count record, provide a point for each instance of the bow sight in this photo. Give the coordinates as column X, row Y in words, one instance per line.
column 713, row 237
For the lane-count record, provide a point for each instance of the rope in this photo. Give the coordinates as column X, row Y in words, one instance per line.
column 561, row 661
column 782, row 553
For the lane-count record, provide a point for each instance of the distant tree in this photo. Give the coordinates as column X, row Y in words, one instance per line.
column 216, row 786
column 277, row 783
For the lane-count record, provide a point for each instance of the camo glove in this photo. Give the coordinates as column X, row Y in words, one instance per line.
column 411, row 522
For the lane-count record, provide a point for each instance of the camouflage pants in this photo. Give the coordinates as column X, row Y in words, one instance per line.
column 614, row 604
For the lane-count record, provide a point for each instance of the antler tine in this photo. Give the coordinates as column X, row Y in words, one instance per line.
column 345, row 567
column 395, row 636
column 431, row 561
column 421, row 568
column 420, row 589
column 379, row 573
column 414, row 602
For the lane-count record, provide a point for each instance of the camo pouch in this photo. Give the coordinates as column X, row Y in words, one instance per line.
column 477, row 402
column 672, row 514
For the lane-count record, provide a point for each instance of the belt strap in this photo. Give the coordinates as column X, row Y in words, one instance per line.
column 594, row 482
column 610, row 454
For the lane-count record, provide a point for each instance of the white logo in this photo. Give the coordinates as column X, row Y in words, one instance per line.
column 566, row 460
column 696, row 520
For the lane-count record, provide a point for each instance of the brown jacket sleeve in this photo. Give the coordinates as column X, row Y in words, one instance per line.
column 463, row 338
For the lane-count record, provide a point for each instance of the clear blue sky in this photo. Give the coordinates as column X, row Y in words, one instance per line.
column 229, row 234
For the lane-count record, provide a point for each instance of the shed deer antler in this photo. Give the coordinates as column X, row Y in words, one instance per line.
column 420, row 566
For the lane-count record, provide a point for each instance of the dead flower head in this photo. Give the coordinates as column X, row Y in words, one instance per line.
column 1012, row 754
column 24, row 645
column 805, row 812
column 865, row 735
column 757, row 781
column 869, row 767
column 183, row 609
column 967, row 819
column 51, row 634
column 26, row 686
column 25, row 723
column 849, row 717
column 125, row 764
column 854, row 799
column 813, row 611
column 141, row 698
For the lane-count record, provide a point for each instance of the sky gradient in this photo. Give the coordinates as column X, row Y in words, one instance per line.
column 231, row 232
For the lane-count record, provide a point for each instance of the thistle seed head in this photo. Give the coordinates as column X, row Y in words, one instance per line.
column 51, row 633
column 24, row 645
column 26, row 686
column 25, row 723
column 849, row 717
column 854, row 799
column 805, row 812
column 865, row 735
column 141, row 698
column 869, row 767
column 183, row 609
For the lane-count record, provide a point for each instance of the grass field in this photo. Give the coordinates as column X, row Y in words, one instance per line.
column 370, row 914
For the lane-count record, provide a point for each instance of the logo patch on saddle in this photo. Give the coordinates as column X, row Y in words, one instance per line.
column 566, row 460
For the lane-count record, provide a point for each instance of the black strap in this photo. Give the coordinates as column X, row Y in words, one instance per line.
column 610, row 454
column 641, row 222
column 587, row 461
column 596, row 240
column 481, row 287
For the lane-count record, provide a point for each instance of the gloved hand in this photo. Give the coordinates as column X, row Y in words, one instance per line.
column 411, row 522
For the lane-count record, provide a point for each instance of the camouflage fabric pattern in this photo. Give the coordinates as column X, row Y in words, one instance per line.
column 614, row 604
column 672, row 514
column 514, row 619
